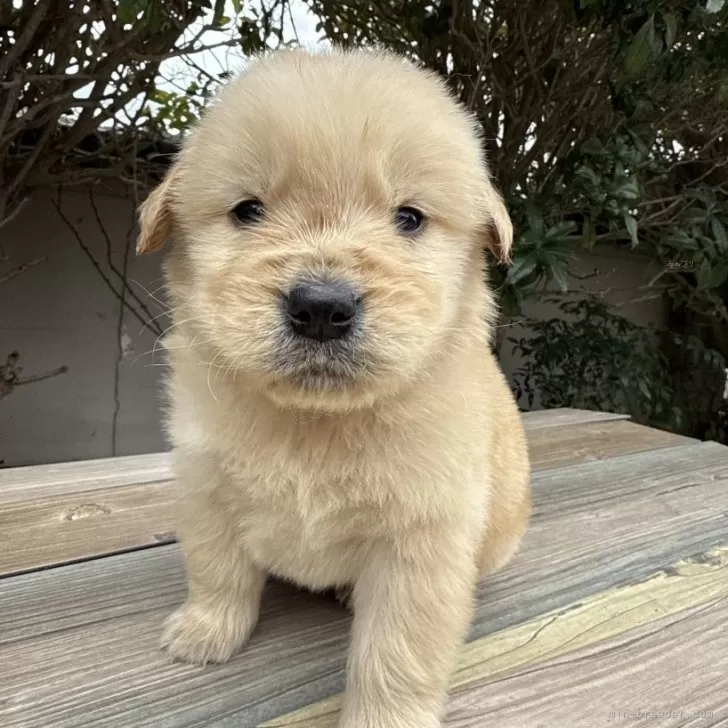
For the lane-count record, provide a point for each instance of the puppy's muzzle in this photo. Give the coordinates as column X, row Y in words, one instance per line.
column 323, row 310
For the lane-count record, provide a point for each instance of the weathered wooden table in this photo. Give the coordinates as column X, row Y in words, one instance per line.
column 614, row 613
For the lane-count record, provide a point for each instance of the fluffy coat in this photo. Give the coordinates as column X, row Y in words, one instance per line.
column 398, row 467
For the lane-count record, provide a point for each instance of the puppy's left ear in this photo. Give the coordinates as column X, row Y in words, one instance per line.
column 156, row 217
column 499, row 232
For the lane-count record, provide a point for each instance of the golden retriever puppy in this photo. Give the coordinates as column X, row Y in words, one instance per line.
column 337, row 417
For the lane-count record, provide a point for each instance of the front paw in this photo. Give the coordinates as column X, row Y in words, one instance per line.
column 427, row 721
column 374, row 715
column 200, row 633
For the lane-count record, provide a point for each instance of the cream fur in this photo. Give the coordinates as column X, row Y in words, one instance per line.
column 404, row 476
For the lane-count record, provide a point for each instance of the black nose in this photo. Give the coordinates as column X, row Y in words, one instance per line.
column 322, row 310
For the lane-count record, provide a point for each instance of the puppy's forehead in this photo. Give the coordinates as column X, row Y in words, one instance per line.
column 336, row 125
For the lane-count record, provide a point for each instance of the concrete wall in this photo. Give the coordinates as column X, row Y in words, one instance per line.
column 60, row 312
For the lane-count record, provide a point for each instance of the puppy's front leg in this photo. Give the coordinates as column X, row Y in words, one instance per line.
column 412, row 609
column 224, row 585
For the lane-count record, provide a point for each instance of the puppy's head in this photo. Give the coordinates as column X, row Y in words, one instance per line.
column 328, row 214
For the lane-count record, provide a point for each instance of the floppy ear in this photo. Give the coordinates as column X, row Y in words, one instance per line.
column 499, row 234
column 156, row 217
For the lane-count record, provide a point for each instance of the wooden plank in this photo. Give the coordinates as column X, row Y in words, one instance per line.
column 565, row 416
column 60, row 513
column 111, row 510
column 591, row 485
column 672, row 592
column 61, row 626
column 78, row 595
column 600, row 524
column 22, row 484
column 553, row 448
column 668, row 673
column 63, row 529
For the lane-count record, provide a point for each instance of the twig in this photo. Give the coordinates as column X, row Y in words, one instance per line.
column 25, row 38
column 21, row 269
column 121, row 275
column 13, row 213
column 98, row 268
column 40, row 377
column 10, row 374
column 119, row 345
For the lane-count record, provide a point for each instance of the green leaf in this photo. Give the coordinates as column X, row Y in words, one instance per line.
column 589, row 174
column 645, row 390
column 535, row 218
column 670, row 29
column 629, row 190
column 590, row 233
column 721, row 89
column 560, row 230
column 698, row 193
column 559, row 275
column 522, row 268
column 642, row 148
column 719, row 235
column 705, row 274
column 510, row 303
column 631, row 225
column 237, row 6
column 160, row 96
column 640, row 49
column 127, row 11
column 592, row 146
column 712, row 276
column 218, row 14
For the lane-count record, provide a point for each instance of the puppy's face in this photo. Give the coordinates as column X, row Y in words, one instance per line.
column 328, row 215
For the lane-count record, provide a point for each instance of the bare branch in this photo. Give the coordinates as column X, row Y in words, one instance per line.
column 21, row 269
column 97, row 266
column 10, row 374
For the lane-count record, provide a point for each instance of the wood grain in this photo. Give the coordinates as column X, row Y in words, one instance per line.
column 82, row 639
column 609, row 614
column 565, row 417
column 63, row 529
column 56, row 514
column 47, row 518
column 673, row 671
column 586, row 442
column 23, row 484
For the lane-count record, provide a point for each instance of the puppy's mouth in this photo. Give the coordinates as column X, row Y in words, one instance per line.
column 320, row 365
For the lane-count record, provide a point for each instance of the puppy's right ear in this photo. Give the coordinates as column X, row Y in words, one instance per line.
column 156, row 217
column 499, row 238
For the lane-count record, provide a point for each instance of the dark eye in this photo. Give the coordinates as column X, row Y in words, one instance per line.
column 248, row 211
column 409, row 220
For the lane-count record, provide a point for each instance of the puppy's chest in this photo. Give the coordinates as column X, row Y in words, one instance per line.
column 313, row 502
column 311, row 519
column 305, row 531
column 312, row 506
